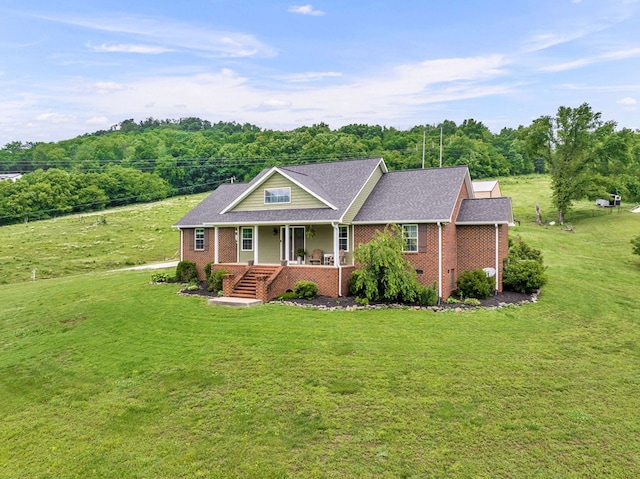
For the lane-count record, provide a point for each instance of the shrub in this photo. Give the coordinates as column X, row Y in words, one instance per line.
column 207, row 270
column 305, row 289
column 214, row 281
column 287, row 295
column 160, row 277
column 361, row 301
column 522, row 251
column 186, row 271
column 475, row 284
column 636, row 245
column 471, row 302
column 385, row 275
column 523, row 276
column 427, row 295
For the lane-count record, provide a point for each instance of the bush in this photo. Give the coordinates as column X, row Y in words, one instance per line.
column 385, row 274
column 636, row 245
column 361, row 301
column 471, row 302
column 186, row 271
column 305, row 289
column 214, row 281
column 523, row 276
column 160, row 278
column 207, row 270
column 287, row 295
column 521, row 250
column 427, row 295
column 475, row 284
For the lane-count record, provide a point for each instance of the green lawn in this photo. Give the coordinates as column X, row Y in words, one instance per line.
column 105, row 375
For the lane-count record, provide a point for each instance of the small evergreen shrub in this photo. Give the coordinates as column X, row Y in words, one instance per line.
column 186, row 271
column 524, row 271
column 475, row 284
column 524, row 276
column 471, row 302
column 214, row 280
column 427, row 295
column 521, row 250
column 305, row 289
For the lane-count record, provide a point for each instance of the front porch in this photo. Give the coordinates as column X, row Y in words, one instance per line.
column 268, row 281
column 286, row 245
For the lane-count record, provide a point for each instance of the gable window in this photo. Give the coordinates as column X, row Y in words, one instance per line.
column 247, row 239
column 410, row 238
column 343, row 238
column 277, row 195
column 199, row 239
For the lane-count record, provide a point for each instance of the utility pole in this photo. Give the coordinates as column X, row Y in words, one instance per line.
column 440, row 147
column 424, row 139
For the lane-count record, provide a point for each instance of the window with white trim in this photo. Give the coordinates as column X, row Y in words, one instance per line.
column 343, row 238
column 277, row 195
column 247, row 239
column 410, row 238
column 199, row 239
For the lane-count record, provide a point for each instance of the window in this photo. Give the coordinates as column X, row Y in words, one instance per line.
column 343, row 238
column 199, row 243
column 277, row 195
column 247, row 239
column 410, row 238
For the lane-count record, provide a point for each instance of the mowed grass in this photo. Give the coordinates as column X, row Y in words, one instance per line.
column 106, row 375
column 103, row 240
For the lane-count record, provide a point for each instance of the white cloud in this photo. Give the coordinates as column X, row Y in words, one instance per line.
column 98, row 120
column 305, row 10
column 108, row 86
column 310, row 76
column 610, row 56
column 627, row 101
column 130, row 48
column 54, row 117
column 171, row 35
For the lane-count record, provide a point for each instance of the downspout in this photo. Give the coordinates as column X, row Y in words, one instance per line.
column 439, row 261
column 336, row 256
column 216, row 241
column 497, row 251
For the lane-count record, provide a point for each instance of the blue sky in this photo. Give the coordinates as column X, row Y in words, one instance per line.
column 70, row 67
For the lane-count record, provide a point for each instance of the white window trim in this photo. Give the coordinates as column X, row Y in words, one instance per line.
column 405, row 237
column 242, row 238
column 345, row 238
column 196, row 238
column 285, row 188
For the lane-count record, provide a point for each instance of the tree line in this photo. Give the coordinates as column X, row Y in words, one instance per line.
column 586, row 156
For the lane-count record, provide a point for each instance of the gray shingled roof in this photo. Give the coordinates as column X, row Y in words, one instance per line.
column 336, row 182
column 428, row 195
column 485, row 211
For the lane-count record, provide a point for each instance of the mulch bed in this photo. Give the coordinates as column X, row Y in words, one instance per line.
column 505, row 298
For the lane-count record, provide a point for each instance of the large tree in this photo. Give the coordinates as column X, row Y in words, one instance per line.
column 568, row 143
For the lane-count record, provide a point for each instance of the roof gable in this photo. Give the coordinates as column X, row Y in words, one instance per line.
column 334, row 185
column 255, row 187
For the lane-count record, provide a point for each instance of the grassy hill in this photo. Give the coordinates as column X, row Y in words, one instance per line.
column 105, row 375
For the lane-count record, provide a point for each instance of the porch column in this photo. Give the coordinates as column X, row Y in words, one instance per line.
column 255, row 244
column 287, row 246
column 216, row 249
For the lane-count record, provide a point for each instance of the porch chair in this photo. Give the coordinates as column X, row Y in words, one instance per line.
column 316, row 257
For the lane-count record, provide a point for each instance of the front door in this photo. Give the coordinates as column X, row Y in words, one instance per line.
column 296, row 241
